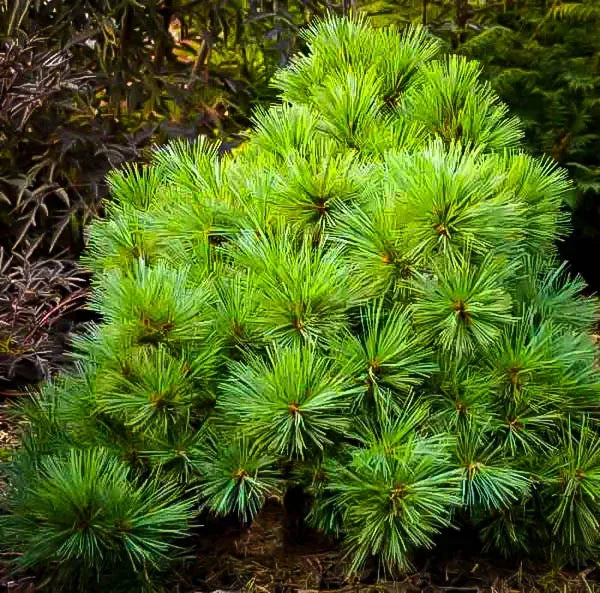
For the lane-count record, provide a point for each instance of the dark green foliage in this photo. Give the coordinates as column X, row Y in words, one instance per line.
column 362, row 302
column 543, row 59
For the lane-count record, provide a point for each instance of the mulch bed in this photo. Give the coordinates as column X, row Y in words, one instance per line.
column 264, row 559
column 8, row 436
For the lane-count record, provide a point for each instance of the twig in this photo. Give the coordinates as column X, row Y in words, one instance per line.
column 78, row 294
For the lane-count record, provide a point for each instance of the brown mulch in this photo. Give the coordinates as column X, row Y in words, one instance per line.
column 8, row 435
column 265, row 559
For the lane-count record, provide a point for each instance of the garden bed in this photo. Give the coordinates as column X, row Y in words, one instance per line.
column 266, row 559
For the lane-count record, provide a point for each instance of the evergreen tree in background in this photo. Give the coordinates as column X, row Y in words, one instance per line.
column 364, row 301
column 543, row 60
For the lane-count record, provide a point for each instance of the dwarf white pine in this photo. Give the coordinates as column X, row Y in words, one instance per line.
column 365, row 300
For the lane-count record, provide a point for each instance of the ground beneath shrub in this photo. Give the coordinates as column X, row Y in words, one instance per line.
column 8, row 434
column 266, row 559
column 8, row 437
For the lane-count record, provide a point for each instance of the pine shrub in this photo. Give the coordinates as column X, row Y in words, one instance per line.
column 364, row 301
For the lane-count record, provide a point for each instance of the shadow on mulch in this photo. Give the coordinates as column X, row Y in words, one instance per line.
column 264, row 558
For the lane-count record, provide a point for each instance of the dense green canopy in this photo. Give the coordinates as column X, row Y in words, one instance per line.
column 364, row 300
